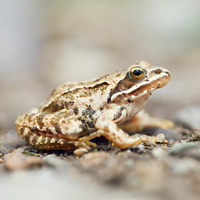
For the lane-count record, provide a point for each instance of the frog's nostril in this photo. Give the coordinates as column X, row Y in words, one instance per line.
column 167, row 73
column 158, row 71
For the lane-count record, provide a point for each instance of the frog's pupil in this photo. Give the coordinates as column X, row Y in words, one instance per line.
column 137, row 72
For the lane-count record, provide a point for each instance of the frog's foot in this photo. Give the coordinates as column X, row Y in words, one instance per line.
column 80, row 151
column 143, row 120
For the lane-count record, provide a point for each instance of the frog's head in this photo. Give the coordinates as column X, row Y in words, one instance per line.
column 140, row 80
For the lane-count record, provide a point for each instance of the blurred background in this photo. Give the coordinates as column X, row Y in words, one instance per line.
column 45, row 43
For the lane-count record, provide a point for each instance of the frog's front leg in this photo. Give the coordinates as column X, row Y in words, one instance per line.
column 107, row 127
column 143, row 120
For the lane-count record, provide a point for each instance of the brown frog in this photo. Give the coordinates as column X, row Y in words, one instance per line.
column 75, row 113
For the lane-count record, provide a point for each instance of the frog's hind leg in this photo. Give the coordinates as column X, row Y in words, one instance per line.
column 52, row 143
column 122, row 140
column 59, row 124
column 51, row 130
column 143, row 120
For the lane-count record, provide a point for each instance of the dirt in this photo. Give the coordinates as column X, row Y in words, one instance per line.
column 167, row 171
column 50, row 43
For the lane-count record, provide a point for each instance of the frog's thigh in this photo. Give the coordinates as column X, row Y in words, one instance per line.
column 143, row 120
column 50, row 130
column 58, row 125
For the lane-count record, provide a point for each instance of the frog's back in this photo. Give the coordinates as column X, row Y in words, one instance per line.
column 76, row 96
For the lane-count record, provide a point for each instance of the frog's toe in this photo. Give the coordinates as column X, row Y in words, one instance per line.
column 91, row 144
column 81, row 151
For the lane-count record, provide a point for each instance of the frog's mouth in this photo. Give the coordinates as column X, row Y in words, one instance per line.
column 148, row 85
column 153, row 84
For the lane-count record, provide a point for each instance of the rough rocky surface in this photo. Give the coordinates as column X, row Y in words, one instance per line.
column 145, row 171
column 45, row 43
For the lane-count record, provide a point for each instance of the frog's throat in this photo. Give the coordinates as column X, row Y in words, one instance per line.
column 145, row 87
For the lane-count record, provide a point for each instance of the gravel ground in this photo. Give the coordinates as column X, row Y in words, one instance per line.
column 145, row 171
column 50, row 43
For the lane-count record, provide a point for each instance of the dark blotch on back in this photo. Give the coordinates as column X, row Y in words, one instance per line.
column 87, row 119
column 91, row 109
column 67, row 104
column 76, row 111
column 58, row 105
column 88, row 111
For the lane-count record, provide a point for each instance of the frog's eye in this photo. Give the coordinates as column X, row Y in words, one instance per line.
column 136, row 73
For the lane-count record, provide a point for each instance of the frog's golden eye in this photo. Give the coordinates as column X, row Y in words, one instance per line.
column 136, row 73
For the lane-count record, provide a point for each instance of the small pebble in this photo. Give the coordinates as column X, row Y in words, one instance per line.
column 159, row 153
column 196, row 135
column 161, row 137
column 55, row 161
column 177, row 148
column 94, row 159
column 170, row 134
column 14, row 161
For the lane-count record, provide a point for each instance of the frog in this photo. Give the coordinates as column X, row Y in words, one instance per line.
column 77, row 112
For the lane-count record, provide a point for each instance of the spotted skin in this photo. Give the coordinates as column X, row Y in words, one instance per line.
column 75, row 113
